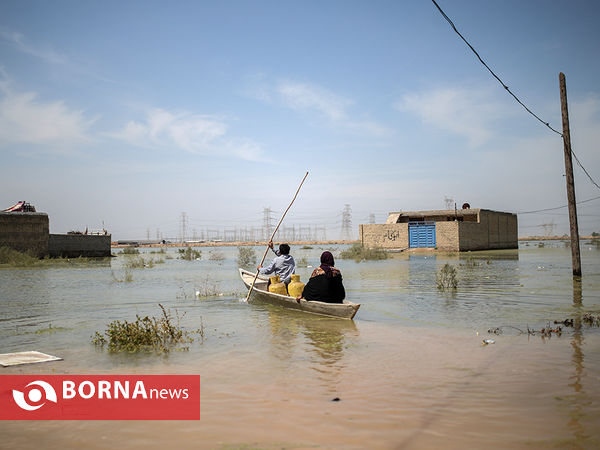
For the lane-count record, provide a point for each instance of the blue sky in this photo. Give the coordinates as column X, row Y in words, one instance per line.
column 130, row 113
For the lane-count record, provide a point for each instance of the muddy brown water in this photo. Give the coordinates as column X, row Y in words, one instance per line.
column 409, row 372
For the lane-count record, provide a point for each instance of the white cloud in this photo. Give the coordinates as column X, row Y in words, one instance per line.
column 313, row 99
column 190, row 132
column 466, row 112
column 18, row 40
column 194, row 133
column 26, row 119
column 302, row 96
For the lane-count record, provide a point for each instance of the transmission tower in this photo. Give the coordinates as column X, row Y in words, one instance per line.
column 548, row 228
column 267, row 223
column 346, row 223
column 183, row 226
column 449, row 202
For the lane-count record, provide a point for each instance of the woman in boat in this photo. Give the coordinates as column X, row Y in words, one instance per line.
column 325, row 284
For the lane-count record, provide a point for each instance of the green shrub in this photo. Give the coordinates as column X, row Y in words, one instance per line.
column 189, row 254
column 129, row 251
column 148, row 334
column 359, row 252
column 446, row 278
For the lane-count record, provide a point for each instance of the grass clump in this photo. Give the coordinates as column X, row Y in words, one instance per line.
column 189, row 254
column 246, row 258
column 359, row 252
column 129, row 251
column 446, row 278
column 140, row 262
column 146, row 334
column 216, row 255
column 14, row 258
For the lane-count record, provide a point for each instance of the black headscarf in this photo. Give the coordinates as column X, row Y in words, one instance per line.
column 327, row 263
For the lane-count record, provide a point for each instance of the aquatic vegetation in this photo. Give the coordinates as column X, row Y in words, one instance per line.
column 129, row 251
column 216, row 255
column 306, row 247
column 189, row 254
column 140, row 262
column 246, row 258
column 51, row 329
column 127, row 276
column 146, row 334
column 446, row 278
column 471, row 262
column 14, row 258
column 359, row 252
column 208, row 287
column 303, row 262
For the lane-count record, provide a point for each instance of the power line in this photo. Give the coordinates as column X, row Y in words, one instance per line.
column 508, row 89
column 557, row 207
column 490, row 70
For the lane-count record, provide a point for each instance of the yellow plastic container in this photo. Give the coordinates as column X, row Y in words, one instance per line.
column 296, row 287
column 277, row 286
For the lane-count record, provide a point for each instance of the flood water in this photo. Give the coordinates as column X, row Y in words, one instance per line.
column 410, row 371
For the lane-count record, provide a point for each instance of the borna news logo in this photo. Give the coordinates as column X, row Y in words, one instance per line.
column 34, row 396
column 100, row 397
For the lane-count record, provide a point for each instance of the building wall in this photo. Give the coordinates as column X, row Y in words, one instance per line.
column 75, row 245
column 393, row 236
column 25, row 232
column 447, row 236
column 477, row 230
column 495, row 230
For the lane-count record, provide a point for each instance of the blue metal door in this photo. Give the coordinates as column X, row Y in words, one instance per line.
column 421, row 234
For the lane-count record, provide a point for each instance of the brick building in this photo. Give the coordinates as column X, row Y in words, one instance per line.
column 448, row 230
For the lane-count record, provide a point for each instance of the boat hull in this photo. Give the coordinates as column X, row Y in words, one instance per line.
column 346, row 310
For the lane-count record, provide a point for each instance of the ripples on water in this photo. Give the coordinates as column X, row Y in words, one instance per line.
column 412, row 356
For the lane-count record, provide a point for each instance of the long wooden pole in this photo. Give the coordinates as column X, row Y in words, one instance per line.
column 273, row 235
column 575, row 255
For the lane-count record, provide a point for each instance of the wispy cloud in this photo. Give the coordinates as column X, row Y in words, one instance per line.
column 302, row 96
column 316, row 101
column 195, row 133
column 26, row 119
column 19, row 41
column 467, row 112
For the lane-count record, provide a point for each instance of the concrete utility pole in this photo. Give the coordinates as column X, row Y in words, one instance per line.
column 575, row 255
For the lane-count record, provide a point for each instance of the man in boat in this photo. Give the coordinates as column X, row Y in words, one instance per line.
column 283, row 264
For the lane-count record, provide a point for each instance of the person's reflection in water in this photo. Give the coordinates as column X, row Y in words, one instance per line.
column 327, row 340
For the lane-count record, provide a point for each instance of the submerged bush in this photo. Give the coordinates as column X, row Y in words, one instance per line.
column 129, row 251
column 446, row 278
column 148, row 334
column 359, row 252
column 246, row 258
column 216, row 255
column 189, row 254
column 14, row 258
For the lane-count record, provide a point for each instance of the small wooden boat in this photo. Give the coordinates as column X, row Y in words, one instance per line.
column 345, row 310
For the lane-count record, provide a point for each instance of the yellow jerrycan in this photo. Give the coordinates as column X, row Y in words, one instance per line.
column 277, row 286
column 296, row 287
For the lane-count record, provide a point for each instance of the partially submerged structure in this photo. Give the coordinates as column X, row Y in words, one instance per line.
column 27, row 231
column 449, row 230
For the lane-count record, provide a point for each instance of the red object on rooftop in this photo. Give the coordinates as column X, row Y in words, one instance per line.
column 21, row 207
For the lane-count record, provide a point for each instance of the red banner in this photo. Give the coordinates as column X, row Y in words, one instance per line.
column 99, row 397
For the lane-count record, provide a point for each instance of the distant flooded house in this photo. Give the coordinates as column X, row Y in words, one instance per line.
column 448, row 230
column 25, row 230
